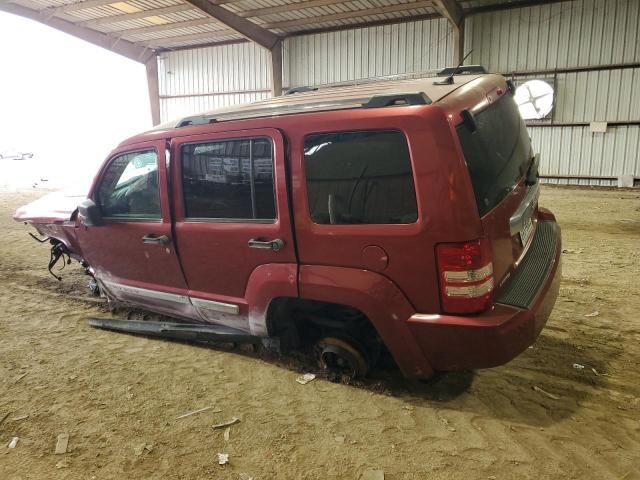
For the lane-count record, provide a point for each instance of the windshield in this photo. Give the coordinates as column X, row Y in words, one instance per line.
column 497, row 153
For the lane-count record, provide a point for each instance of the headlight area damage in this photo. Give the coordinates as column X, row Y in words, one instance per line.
column 54, row 218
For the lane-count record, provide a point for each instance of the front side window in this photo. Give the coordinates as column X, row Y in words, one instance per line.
column 230, row 179
column 360, row 178
column 129, row 187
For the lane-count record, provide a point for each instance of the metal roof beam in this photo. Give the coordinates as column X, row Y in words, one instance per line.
column 136, row 15
column 290, row 7
column 244, row 27
column 351, row 14
column 452, row 11
column 74, row 7
column 179, row 39
column 116, row 45
column 164, row 27
column 247, row 14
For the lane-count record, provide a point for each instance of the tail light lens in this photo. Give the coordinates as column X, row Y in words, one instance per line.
column 466, row 276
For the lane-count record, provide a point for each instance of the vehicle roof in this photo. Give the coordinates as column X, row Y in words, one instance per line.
column 327, row 98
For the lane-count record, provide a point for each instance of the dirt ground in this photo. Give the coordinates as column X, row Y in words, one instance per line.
column 118, row 397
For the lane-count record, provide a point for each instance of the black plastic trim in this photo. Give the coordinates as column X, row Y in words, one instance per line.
column 525, row 283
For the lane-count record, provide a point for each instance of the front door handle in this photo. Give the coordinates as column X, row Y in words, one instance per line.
column 275, row 245
column 154, row 239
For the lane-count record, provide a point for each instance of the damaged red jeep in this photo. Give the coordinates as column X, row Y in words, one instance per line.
column 397, row 216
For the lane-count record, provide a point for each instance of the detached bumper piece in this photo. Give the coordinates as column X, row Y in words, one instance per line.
column 177, row 331
column 524, row 286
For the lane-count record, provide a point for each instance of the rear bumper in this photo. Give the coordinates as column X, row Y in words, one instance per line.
column 500, row 334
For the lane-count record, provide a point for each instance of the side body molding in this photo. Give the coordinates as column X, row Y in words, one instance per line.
column 379, row 299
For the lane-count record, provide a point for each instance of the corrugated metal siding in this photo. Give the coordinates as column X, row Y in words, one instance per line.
column 367, row 52
column 576, row 151
column 579, row 33
column 192, row 81
column 566, row 34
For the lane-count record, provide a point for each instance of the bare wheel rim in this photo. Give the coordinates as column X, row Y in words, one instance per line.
column 341, row 357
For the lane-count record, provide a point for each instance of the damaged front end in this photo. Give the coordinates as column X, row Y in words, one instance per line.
column 54, row 218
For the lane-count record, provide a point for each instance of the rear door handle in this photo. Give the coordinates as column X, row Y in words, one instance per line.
column 154, row 239
column 275, row 245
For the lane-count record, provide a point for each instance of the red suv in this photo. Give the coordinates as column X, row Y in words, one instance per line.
column 400, row 215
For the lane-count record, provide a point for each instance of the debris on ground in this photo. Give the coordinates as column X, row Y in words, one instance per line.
column 572, row 250
column 598, row 374
column 578, row 366
column 188, row 414
column 339, row 439
column 20, row 377
column 226, row 424
column 373, row 475
column 593, row 314
column 62, row 463
column 223, row 458
column 13, row 442
column 245, row 476
column 306, row 378
column 62, row 444
column 227, row 434
column 544, row 392
column 18, row 418
column 4, row 417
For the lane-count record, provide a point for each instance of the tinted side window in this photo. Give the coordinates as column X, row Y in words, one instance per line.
column 129, row 186
column 231, row 179
column 360, row 177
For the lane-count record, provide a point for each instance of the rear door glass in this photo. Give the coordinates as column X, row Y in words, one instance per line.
column 360, row 178
column 497, row 153
column 229, row 180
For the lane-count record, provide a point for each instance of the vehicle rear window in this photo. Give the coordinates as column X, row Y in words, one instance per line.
column 497, row 153
column 359, row 178
column 230, row 179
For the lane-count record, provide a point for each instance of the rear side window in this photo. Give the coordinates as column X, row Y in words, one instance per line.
column 497, row 153
column 359, row 178
column 230, row 179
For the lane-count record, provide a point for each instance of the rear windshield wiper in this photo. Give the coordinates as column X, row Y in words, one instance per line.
column 532, row 171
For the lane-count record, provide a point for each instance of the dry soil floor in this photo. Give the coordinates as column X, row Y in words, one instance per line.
column 118, row 397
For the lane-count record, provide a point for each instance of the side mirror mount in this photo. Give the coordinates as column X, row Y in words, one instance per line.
column 89, row 214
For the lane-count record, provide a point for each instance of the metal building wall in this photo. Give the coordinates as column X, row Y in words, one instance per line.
column 564, row 35
column 580, row 33
column 192, row 81
column 367, row 52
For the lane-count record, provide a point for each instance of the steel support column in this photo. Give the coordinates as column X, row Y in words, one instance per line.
column 154, row 90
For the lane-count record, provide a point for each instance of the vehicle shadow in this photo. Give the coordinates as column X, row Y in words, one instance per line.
column 538, row 388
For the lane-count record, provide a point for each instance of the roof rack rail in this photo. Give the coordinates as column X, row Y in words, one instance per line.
column 379, row 101
column 196, row 120
column 462, row 70
column 303, row 89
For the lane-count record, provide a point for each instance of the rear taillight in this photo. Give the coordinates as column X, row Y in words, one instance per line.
column 466, row 276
